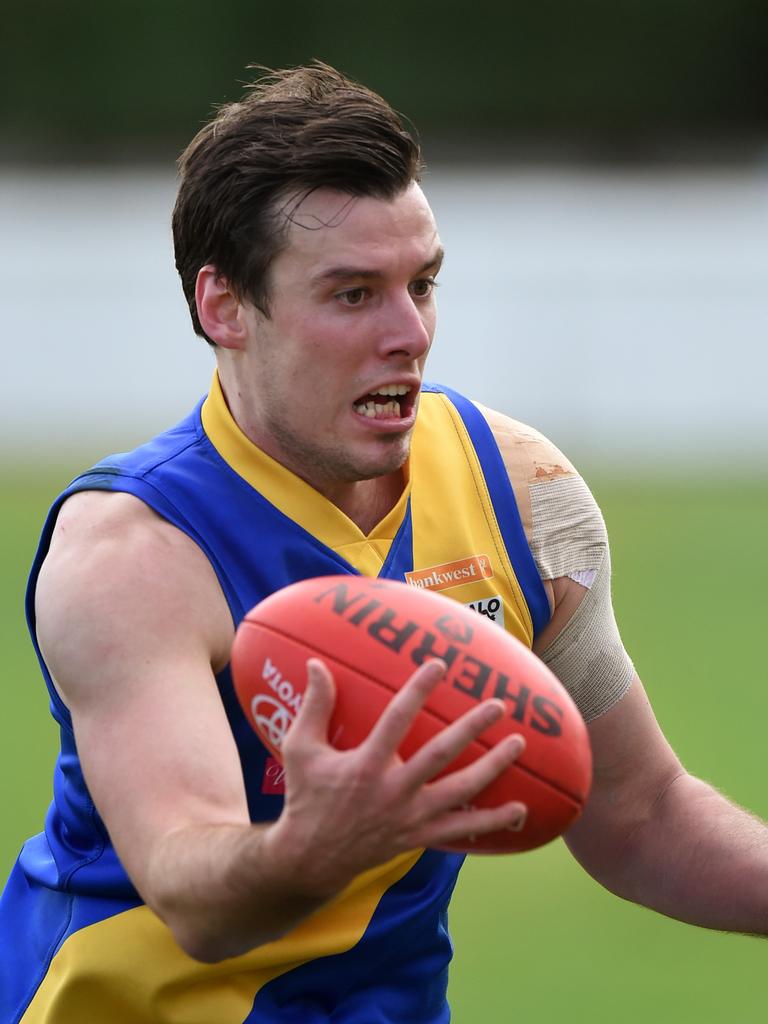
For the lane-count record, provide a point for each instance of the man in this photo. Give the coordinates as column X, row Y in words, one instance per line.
column 174, row 882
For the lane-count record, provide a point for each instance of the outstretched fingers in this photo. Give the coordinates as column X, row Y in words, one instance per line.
column 399, row 715
column 467, row 823
column 448, row 810
column 445, row 747
column 452, row 815
column 460, row 787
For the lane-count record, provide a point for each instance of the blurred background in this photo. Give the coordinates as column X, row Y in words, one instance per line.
column 600, row 176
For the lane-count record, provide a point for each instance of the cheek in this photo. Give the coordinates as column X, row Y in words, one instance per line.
column 313, row 346
column 429, row 326
column 429, row 320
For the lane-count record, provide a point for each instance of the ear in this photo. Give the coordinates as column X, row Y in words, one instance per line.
column 218, row 309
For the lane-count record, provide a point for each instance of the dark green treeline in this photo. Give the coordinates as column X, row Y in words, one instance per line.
column 134, row 78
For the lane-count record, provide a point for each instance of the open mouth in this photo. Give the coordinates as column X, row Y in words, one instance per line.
column 393, row 401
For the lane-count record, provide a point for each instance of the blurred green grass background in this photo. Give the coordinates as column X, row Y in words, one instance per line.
column 536, row 939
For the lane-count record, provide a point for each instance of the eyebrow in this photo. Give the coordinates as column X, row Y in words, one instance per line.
column 345, row 273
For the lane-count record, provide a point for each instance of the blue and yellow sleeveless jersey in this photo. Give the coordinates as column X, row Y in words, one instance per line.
column 78, row 945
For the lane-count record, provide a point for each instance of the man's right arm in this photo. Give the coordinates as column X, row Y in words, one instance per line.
column 133, row 626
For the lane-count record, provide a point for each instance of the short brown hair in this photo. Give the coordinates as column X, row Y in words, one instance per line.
column 294, row 131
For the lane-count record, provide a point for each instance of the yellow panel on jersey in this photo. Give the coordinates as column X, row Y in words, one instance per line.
column 167, row 985
column 453, row 515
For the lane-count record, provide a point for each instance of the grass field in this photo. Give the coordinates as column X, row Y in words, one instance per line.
column 536, row 939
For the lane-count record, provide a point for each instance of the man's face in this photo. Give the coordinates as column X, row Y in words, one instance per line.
column 352, row 315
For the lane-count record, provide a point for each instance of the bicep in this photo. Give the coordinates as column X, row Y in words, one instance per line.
column 131, row 623
column 633, row 767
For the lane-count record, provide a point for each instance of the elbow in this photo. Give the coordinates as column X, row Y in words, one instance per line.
column 623, row 846
column 205, row 949
column 192, row 934
column 210, row 945
column 198, row 940
column 203, row 944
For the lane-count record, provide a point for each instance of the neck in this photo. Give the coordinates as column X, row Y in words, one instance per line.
column 367, row 502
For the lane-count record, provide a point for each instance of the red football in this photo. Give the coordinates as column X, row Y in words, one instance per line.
column 373, row 634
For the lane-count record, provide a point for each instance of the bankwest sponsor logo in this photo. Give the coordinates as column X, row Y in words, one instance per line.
column 451, row 574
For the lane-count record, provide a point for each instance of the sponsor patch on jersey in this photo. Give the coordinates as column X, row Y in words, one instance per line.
column 491, row 607
column 451, row 574
column 273, row 781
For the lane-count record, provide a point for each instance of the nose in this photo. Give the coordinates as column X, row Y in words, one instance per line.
column 407, row 327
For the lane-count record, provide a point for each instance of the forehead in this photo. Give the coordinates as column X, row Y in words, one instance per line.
column 330, row 228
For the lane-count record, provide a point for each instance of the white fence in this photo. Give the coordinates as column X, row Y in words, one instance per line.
column 622, row 313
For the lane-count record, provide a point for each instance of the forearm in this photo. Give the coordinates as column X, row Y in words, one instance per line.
column 222, row 892
column 695, row 857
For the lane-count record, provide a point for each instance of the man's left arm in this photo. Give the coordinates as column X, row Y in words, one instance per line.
column 656, row 835
column 650, row 832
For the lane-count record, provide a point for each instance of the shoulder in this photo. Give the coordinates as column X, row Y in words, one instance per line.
column 525, row 448
column 118, row 578
column 97, row 530
column 562, row 520
column 530, row 459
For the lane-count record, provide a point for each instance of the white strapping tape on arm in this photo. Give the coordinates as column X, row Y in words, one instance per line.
column 569, row 538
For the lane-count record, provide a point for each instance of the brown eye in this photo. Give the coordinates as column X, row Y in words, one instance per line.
column 423, row 288
column 352, row 297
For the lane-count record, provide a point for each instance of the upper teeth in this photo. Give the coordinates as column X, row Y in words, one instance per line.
column 391, row 390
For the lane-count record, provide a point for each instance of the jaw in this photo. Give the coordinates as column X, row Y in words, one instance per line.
column 372, row 448
column 334, row 452
column 374, row 480
column 363, row 450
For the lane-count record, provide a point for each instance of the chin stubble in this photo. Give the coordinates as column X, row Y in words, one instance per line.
column 312, row 462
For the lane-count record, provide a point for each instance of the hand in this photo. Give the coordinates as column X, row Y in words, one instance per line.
column 347, row 811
